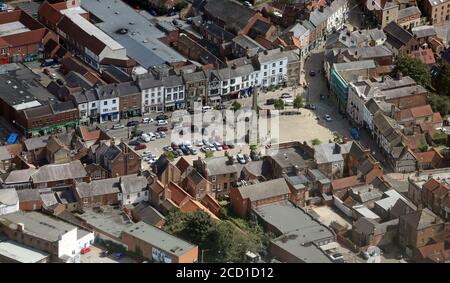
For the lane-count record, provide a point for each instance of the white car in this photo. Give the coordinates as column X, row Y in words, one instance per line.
column 147, row 120
column 118, row 126
column 248, row 4
column 162, row 122
column 327, row 118
column 218, row 146
column 288, row 102
column 240, row 158
column 145, row 138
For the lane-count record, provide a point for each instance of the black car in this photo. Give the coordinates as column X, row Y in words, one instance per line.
column 162, row 117
column 270, row 101
column 60, row 82
column 132, row 123
column 312, row 73
column 133, row 143
column 186, row 151
column 310, row 106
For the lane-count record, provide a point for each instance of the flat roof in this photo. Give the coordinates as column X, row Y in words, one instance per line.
column 12, row 28
column 19, row 89
column 141, row 40
column 111, row 221
column 159, row 239
column 74, row 13
column 21, row 253
column 38, row 224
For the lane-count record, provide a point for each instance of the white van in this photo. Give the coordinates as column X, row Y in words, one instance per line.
column 206, row 108
column 288, row 102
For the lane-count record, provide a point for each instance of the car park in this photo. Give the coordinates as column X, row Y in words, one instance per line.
column 218, row 146
column 162, row 117
column 286, row 95
column 162, row 129
column 133, row 142
column 132, row 123
column 147, row 120
column 140, row 146
column 118, row 126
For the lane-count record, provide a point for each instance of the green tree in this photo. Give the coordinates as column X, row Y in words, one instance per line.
column 175, row 222
column 169, row 155
column 316, row 141
column 236, row 106
column 298, row 102
column 253, row 147
column 199, row 226
column 414, row 68
column 209, row 154
column 442, row 83
column 423, row 146
column 440, row 103
column 279, row 104
column 440, row 138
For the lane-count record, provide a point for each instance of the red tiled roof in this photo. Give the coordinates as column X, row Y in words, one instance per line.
column 421, row 111
column 437, row 117
column 345, row 183
column 87, row 135
column 428, row 156
column 193, row 205
column 414, row 141
column 435, row 251
column 177, row 194
column 426, row 56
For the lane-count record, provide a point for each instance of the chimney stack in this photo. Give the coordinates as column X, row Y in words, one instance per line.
column 20, row 227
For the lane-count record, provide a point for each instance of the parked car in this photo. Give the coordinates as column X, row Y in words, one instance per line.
column 162, row 117
column 162, row 129
column 132, row 123
column 162, row 134
column 225, row 147
column 85, row 250
column 193, row 151
column 134, row 142
column 53, row 76
column 175, row 154
column 218, row 146
column 47, row 62
column 60, row 82
column 147, row 120
column 310, row 106
column 172, row 13
column 327, row 118
column 118, row 126
column 270, row 101
column 248, row 4
column 199, row 142
column 240, row 158
column 104, row 254
column 177, row 23
column 312, row 73
column 140, row 146
column 168, row 148
column 288, row 102
column 180, row 152
column 162, row 122
column 204, row 148
column 286, row 95
column 174, row 146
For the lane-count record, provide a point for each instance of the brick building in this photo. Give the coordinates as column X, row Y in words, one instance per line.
column 157, row 245
column 437, row 11
column 246, row 198
column 118, row 160
column 21, row 36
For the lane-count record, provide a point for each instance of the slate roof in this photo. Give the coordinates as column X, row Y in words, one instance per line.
column 220, row 166
column 58, row 172
column 133, row 184
column 421, row 219
column 408, row 12
column 396, row 35
column 98, row 187
column 264, row 190
column 28, row 195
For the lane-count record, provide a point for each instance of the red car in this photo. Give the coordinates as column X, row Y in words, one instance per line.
column 140, row 146
column 225, row 147
column 85, row 250
column 162, row 129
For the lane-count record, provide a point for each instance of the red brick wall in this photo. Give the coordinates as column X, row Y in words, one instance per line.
column 30, row 205
column 409, row 101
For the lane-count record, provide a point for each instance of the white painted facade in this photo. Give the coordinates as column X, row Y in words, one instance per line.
column 336, row 13
column 174, row 96
column 70, row 245
column 152, row 99
column 109, row 109
column 134, row 197
column 273, row 68
column 7, row 209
